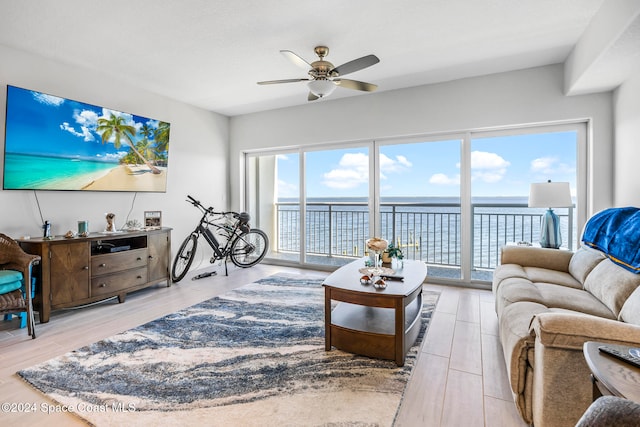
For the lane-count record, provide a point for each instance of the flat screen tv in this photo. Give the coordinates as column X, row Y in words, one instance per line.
column 53, row 143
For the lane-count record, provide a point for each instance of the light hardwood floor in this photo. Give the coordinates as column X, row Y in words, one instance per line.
column 459, row 378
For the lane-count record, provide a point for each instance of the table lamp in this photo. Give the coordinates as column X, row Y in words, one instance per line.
column 550, row 195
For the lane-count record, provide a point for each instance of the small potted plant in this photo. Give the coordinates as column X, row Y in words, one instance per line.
column 392, row 252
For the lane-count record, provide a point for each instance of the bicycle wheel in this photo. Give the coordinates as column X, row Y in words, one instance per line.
column 184, row 258
column 249, row 249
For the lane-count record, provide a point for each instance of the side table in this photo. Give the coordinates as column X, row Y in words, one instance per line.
column 611, row 376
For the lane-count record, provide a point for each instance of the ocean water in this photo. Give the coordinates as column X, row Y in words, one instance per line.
column 428, row 228
column 51, row 173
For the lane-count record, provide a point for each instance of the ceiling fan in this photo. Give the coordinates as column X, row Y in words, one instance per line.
column 324, row 77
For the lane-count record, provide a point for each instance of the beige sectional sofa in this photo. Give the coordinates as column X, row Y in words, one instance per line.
column 549, row 302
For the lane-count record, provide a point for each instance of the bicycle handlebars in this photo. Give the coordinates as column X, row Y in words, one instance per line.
column 242, row 216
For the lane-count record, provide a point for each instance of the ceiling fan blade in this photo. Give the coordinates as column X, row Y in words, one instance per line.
column 356, row 65
column 356, row 85
column 296, row 59
column 273, row 82
column 312, row 97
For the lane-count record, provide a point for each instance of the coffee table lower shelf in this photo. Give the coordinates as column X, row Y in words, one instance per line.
column 371, row 331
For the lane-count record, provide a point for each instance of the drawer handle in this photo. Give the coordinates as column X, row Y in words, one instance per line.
column 138, row 259
column 102, row 265
column 86, row 267
column 139, row 277
column 150, row 256
column 103, row 285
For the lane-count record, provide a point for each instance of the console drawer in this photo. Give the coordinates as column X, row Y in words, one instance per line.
column 111, row 263
column 113, row 283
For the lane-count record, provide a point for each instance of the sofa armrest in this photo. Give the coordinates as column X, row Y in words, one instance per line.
column 561, row 388
column 571, row 331
column 530, row 256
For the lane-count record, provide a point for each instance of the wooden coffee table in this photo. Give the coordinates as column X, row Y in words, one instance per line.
column 376, row 323
column 611, row 376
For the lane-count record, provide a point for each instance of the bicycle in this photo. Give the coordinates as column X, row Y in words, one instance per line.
column 245, row 246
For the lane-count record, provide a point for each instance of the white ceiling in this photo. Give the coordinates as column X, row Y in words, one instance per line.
column 211, row 53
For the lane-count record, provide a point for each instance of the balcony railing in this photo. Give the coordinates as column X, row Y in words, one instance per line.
column 424, row 231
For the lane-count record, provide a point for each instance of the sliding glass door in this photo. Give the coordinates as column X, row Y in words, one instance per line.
column 337, row 184
column 503, row 166
column 451, row 202
column 272, row 190
column 419, row 202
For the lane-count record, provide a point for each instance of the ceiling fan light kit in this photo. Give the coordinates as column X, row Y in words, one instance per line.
column 321, row 88
column 324, row 76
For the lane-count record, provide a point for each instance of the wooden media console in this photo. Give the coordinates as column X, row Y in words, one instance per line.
column 82, row 270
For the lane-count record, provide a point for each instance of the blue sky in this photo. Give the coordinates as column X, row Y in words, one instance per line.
column 501, row 166
column 49, row 125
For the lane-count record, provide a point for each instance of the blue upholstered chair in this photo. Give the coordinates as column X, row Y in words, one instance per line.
column 16, row 289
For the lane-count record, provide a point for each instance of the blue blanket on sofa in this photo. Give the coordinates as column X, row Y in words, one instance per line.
column 616, row 232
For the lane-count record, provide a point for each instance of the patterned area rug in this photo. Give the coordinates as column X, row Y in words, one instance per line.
column 251, row 357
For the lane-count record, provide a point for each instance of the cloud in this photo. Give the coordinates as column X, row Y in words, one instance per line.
column 442, row 179
column 489, row 177
column 404, row 161
column 550, row 166
column 486, row 160
column 488, row 167
column 86, row 118
column 83, row 133
column 353, row 170
column 111, row 157
column 48, row 99
column 287, row 189
column 542, row 164
column 397, row 165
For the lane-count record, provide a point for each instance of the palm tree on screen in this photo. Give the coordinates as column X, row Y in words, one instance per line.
column 161, row 136
column 115, row 127
column 146, row 149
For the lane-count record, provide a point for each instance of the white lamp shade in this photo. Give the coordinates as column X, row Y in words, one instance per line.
column 321, row 87
column 550, row 195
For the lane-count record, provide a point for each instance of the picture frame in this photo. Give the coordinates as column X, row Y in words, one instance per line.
column 152, row 219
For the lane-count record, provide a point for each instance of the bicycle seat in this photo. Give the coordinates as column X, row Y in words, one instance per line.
column 244, row 217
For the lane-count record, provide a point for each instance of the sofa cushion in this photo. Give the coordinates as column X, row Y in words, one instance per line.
column 583, row 262
column 611, row 284
column 543, row 275
column 10, row 276
column 507, row 271
column 630, row 312
column 552, row 296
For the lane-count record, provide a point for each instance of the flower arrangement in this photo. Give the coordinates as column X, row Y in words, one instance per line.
column 376, row 244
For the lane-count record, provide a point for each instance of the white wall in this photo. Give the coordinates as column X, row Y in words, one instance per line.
column 627, row 143
column 520, row 97
column 197, row 153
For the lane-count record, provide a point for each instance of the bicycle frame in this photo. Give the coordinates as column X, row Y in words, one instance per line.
column 211, row 239
column 203, row 229
column 229, row 236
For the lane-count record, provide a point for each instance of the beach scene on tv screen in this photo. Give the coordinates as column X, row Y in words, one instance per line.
column 53, row 143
